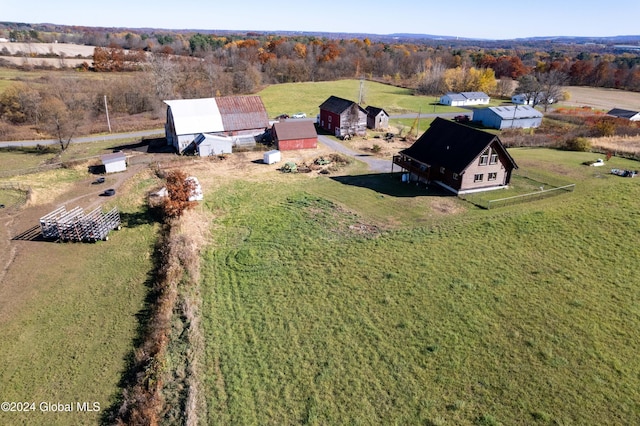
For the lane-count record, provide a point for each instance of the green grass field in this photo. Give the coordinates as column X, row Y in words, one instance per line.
column 306, row 97
column 69, row 329
column 353, row 301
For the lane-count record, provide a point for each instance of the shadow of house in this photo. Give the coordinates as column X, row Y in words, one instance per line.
column 388, row 184
column 150, row 145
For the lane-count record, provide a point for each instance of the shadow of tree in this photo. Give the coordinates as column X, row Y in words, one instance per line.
column 132, row 368
column 144, row 217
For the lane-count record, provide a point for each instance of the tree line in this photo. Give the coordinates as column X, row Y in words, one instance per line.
column 166, row 65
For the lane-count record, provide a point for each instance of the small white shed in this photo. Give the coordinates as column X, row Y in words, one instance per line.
column 209, row 145
column 271, row 157
column 115, row 162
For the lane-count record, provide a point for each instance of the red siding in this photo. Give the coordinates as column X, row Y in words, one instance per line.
column 287, row 145
column 329, row 125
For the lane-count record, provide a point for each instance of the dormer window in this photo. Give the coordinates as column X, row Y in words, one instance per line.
column 493, row 159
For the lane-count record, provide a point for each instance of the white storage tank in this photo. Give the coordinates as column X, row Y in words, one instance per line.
column 271, row 157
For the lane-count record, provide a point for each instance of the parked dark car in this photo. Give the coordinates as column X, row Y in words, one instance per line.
column 109, row 192
column 99, row 181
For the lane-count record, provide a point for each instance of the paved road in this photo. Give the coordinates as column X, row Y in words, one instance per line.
column 100, row 138
column 159, row 132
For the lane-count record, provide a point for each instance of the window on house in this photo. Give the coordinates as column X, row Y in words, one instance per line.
column 484, row 158
column 456, row 176
column 478, row 177
column 442, row 170
column 493, row 159
column 492, row 176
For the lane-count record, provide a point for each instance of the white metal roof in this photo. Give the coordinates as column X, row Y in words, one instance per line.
column 196, row 115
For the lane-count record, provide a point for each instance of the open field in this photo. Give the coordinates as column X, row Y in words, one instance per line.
column 602, row 99
column 361, row 301
column 70, row 55
column 346, row 298
column 70, row 313
column 290, row 98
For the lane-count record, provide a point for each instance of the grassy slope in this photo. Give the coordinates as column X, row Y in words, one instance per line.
column 293, row 97
column 520, row 315
column 70, row 338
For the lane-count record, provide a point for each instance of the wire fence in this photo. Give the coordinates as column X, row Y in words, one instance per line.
column 538, row 195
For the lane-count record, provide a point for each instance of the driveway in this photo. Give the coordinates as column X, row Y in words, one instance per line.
column 375, row 164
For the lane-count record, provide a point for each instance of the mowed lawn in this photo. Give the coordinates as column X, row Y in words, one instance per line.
column 327, row 301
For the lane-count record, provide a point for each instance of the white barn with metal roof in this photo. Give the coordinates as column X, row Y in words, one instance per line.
column 506, row 117
column 241, row 117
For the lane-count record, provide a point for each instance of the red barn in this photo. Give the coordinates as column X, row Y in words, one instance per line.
column 295, row 134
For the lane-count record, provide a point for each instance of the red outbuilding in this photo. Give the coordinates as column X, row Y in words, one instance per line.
column 295, row 134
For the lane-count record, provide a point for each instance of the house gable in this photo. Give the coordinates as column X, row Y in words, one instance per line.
column 455, row 155
column 337, row 116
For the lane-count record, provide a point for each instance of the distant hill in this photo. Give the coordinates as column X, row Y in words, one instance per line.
column 631, row 40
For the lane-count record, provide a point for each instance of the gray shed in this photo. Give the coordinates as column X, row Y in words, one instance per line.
column 115, row 162
column 506, row 117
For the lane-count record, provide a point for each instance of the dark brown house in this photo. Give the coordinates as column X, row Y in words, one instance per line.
column 458, row 157
column 295, row 134
column 377, row 118
column 342, row 117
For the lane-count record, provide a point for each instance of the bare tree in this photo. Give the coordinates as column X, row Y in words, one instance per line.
column 59, row 121
column 164, row 74
column 551, row 84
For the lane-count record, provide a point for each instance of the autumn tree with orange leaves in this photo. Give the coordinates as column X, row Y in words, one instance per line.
column 179, row 189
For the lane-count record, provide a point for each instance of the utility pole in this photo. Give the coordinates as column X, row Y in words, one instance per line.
column 106, row 108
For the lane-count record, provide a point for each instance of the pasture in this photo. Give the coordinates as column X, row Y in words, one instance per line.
column 70, row 313
column 290, row 98
column 360, row 301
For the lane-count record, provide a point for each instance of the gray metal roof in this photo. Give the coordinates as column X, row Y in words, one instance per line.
column 475, row 95
column 516, row 112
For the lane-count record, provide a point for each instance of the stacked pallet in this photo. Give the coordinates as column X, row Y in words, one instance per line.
column 75, row 225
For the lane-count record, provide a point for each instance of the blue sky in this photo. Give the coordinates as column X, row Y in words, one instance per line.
column 463, row 18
